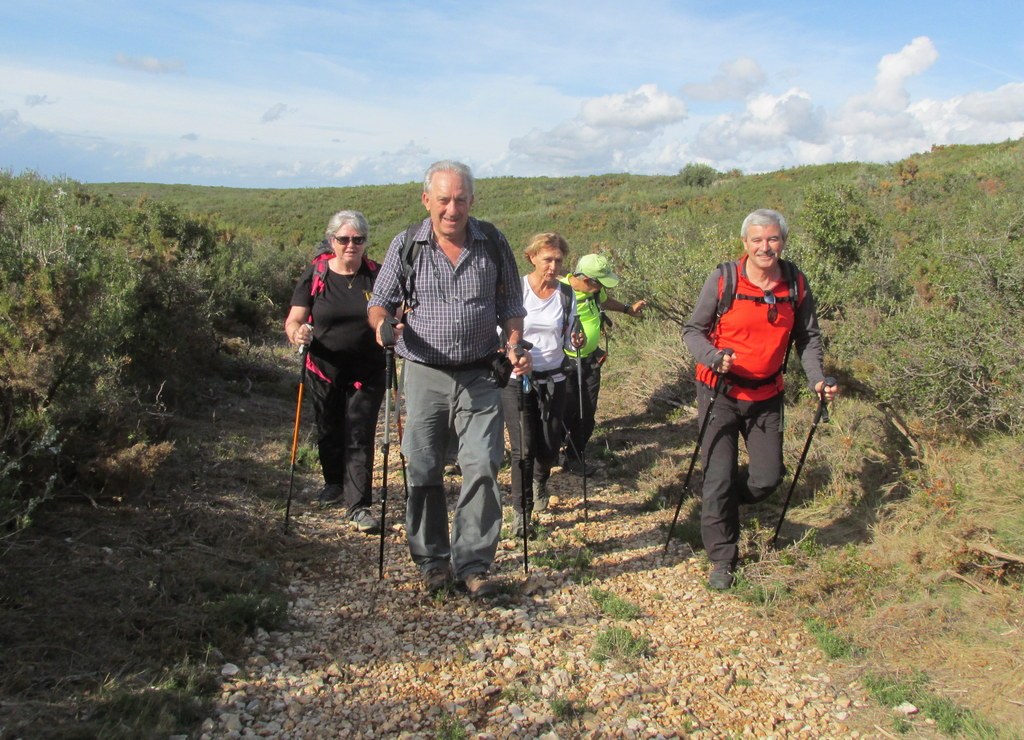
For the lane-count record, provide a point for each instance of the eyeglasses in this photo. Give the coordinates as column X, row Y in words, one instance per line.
column 773, row 310
column 344, row 240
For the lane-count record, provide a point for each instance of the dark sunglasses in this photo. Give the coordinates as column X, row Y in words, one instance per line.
column 344, row 240
column 773, row 310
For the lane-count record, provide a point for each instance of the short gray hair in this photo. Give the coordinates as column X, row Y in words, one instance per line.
column 765, row 217
column 352, row 218
column 449, row 165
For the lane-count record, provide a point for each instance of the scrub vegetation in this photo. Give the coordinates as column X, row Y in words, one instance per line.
column 140, row 540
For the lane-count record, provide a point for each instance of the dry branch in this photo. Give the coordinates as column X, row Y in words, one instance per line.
column 987, row 549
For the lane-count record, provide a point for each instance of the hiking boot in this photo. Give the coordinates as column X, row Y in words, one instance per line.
column 576, row 467
column 365, row 522
column 329, row 494
column 480, row 584
column 517, row 526
column 722, row 578
column 540, row 495
column 437, row 579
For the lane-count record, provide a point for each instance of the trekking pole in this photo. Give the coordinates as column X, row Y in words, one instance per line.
column 821, row 415
column 696, row 448
column 525, row 501
column 295, row 431
column 582, row 454
column 387, row 336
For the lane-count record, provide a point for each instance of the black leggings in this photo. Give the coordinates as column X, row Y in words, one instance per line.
column 543, row 408
column 346, row 422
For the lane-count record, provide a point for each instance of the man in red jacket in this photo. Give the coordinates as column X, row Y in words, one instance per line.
column 742, row 353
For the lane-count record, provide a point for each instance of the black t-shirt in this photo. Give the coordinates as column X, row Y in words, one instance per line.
column 344, row 347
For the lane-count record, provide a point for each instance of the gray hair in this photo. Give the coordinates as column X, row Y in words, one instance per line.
column 352, row 218
column 449, row 165
column 765, row 217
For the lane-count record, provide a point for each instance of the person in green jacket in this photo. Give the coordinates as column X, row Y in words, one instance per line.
column 590, row 280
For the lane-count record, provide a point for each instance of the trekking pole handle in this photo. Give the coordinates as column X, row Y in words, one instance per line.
column 829, row 382
column 387, row 331
column 304, row 348
column 720, row 355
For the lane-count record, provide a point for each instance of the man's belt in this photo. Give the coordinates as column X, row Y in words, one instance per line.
column 741, row 382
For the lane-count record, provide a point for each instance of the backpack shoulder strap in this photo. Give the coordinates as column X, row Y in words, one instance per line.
column 408, row 251
column 567, row 295
column 795, row 280
column 727, row 283
column 321, row 257
column 492, row 241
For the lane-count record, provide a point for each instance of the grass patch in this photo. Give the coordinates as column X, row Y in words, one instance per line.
column 248, row 611
column 578, row 560
column 614, row 606
column 566, row 710
column 831, row 642
column 171, row 705
column 449, row 728
column 516, row 694
column 759, row 593
column 620, row 644
column 952, row 719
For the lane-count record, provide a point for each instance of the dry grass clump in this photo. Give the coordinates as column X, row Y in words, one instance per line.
column 915, row 563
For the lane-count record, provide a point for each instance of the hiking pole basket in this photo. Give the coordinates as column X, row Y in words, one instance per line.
column 820, row 415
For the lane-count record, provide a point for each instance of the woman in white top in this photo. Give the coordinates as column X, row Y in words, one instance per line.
column 551, row 312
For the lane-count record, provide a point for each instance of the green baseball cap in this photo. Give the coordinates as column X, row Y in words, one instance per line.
column 597, row 267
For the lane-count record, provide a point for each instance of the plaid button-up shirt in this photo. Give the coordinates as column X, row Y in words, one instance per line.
column 457, row 307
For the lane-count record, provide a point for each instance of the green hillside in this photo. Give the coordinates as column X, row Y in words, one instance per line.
column 130, row 308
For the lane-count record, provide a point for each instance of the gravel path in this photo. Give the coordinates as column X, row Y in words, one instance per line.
column 369, row 658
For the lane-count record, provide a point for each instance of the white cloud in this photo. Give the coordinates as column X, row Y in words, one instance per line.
column 882, row 112
column 894, row 69
column 1002, row 105
column 735, row 80
column 769, row 121
column 151, row 65
column 33, row 100
column 646, row 108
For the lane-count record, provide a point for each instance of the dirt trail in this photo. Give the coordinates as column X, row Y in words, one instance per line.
column 364, row 657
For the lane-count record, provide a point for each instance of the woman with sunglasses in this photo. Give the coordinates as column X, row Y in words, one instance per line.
column 344, row 364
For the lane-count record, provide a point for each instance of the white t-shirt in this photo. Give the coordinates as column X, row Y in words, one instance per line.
column 546, row 327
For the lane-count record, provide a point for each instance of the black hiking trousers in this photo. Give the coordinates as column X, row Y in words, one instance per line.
column 346, row 425
column 544, row 408
column 726, row 484
column 579, row 428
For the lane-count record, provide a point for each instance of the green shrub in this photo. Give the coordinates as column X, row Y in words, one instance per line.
column 697, row 175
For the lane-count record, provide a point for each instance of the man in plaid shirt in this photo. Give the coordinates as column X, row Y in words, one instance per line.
column 464, row 289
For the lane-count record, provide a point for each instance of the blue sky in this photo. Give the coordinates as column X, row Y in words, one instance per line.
column 300, row 94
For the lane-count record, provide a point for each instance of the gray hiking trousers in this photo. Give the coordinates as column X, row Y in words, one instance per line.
column 468, row 401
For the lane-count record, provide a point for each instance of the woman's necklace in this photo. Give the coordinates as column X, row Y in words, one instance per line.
column 350, row 278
